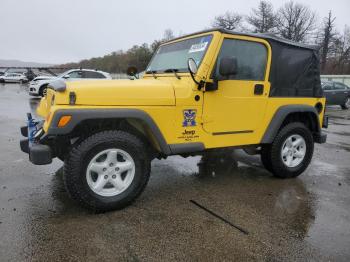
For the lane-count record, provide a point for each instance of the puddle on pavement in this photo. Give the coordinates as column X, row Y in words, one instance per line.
column 272, row 210
column 342, row 146
column 337, row 133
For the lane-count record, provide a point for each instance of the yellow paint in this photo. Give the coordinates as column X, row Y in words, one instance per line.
column 233, row 107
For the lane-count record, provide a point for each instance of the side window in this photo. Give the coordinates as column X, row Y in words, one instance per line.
column 76, row 74
column 251, row 59
column 327, row 87
column 92, row 74
column 338, row 86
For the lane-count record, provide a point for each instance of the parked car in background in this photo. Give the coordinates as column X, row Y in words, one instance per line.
column 13, row 78
column 30, row 75
column 336, row 94
column 39, row 84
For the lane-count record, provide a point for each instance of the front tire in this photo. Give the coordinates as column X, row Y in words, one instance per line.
column 291, row 151
column 43, row 90
column 107, row 171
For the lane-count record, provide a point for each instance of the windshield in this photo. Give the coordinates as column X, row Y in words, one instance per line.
column 63, row 74
column 175, row 55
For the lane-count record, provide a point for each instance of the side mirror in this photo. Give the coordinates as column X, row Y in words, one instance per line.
column 192, row 66
column 193, row 69
column 132, row 71
column 66, row 76
column 228, row 66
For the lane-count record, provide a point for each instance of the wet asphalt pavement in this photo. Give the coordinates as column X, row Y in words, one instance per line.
column 264, row 218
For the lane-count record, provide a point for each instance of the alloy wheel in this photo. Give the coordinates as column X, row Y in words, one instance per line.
column 110, row 172
column 293, row 150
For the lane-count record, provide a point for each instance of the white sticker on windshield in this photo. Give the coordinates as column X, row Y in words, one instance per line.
column 198, row 47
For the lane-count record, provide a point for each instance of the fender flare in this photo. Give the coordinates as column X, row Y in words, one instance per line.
column 281, row 114
column 79, row 115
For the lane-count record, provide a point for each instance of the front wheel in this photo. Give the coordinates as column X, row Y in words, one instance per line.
column 291, row 151
column 43, row 91
column 346, row 104
column 107, row 171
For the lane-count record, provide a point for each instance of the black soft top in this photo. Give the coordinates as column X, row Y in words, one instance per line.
column 294, row 69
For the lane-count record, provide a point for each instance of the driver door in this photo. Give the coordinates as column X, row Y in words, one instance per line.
column 238, row 105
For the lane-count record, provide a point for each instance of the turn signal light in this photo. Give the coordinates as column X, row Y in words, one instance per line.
column 64, row 120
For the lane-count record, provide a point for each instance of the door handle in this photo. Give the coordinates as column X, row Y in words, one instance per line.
column 258, row 89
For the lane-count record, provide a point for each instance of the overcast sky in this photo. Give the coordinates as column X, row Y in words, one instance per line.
column 59, row 31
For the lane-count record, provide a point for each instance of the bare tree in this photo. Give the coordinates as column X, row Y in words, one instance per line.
column 341, row 58
column 295, row 21
column 168, row 35
column 327, row 38
column 263, row 18
column 229, row 21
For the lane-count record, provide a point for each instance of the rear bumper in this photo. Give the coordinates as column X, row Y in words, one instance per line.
column 39, row 154
column 325, row 121
column 320, row 138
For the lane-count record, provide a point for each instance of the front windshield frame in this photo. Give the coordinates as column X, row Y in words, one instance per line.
column 149, row 70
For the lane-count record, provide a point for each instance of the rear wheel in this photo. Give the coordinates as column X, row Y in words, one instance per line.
column 346, row 104
column 291, row 151
column 107, row 171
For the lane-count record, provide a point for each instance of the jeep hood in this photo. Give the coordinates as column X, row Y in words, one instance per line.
column 143, row 92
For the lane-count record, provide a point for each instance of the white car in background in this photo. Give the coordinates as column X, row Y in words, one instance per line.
column 13, row 78
column 38, row 85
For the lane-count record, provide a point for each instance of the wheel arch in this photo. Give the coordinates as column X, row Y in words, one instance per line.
column 42, row 86
column 138, row 119
column 291, row 113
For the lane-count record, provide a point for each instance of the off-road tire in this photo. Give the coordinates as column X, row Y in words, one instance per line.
column 76, row 163
column 345, row 106
column 265, row 157
column 272, row 158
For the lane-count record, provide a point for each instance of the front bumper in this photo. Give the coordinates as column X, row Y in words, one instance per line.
column 39, row 154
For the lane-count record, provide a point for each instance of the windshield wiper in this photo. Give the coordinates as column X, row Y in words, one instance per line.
column 174, row 71
column 153, row 72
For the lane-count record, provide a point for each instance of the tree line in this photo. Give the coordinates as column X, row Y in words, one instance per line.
column 293, row 21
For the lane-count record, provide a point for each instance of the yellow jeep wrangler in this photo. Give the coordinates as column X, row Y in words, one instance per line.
column 209, row 90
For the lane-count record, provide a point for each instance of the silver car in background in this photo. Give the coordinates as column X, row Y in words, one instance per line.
column 38, row 85
column 13, row 78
